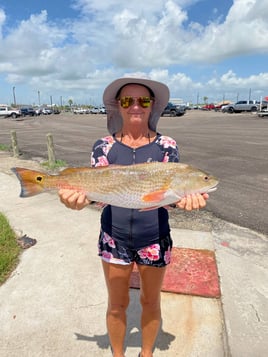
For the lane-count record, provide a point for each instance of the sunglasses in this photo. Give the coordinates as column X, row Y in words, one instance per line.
column 128, row 101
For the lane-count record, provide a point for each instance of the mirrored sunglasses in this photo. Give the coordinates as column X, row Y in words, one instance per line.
column 128, row 101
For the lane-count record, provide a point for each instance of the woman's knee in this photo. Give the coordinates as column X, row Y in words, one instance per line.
column 118, row 307
column 150, row 304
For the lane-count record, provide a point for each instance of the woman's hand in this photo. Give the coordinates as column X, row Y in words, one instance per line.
column 73, row 199
column 192, row 202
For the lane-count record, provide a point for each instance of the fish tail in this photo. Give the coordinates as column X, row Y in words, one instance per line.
column 32, row 182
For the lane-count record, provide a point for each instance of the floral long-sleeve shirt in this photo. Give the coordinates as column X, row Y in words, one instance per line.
column 133, row 228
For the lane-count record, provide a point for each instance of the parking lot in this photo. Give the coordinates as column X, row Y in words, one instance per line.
column 233, row 147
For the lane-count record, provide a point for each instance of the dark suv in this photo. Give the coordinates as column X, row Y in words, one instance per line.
column 173, row 110
column 27, row 111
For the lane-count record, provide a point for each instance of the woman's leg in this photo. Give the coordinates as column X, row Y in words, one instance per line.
column 151, row 282
column 117, row 280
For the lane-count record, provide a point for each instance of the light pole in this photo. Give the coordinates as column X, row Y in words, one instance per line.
column 14, row 96
column 249, row 94
column 38, row 97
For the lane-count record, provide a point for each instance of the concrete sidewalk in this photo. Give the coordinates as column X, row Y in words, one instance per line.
column 54, row 303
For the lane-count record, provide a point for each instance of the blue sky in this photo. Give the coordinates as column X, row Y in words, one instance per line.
column 71, row 49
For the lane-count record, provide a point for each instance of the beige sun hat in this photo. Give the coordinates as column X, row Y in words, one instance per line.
column 114, row 119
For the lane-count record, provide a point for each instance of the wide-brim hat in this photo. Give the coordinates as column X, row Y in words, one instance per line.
column 114, row 119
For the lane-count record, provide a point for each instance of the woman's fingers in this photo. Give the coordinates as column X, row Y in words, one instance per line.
column 73, row 199
column 192, row 202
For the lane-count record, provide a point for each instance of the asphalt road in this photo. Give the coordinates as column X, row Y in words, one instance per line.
column 233, row 147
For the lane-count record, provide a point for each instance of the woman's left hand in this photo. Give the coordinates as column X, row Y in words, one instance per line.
column 191, row 202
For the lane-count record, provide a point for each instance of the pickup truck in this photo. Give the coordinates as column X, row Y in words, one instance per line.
column 81, row 111
column 6, row 111
column 27, row 111
column 173, row 110
column 242, row 106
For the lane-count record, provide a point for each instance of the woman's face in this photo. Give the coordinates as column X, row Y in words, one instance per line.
column 135, row 104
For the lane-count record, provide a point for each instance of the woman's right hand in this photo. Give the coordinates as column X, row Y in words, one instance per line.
column 73, row 199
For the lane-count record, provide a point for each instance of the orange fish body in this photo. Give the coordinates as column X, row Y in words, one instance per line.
column 139, row 186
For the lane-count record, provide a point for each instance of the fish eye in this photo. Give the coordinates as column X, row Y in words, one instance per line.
column 39, row 178
column 206, row 178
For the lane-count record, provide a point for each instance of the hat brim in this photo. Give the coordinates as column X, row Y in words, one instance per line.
column 114, row 119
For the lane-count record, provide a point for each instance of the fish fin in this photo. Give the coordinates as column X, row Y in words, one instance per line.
column 72, row 170
column 155, row 196
column 31, row 181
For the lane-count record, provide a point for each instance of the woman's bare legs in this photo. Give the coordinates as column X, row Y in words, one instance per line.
column 151, row 282
column 117, row 280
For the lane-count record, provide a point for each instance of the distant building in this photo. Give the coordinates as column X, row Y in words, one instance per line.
column 176, row 101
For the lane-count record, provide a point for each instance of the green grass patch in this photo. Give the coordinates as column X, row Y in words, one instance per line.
column 57, row 164
column 4, row 147
column 9, row 249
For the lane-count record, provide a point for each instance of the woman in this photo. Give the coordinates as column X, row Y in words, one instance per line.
column 133, row 109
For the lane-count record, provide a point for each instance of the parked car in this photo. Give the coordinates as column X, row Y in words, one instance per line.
column 102, row 110
column 46, row 111
column 208, row 106
column 81, row 111
column 264, row 105
column 242, row 106
column 173, row 110
column 94, row 110
column 223, row 108
column 6, row 111
column 27, row 111
column 38, row 111
column 218, row 107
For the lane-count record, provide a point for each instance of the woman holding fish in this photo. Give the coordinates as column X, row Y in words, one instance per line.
column 130, row 235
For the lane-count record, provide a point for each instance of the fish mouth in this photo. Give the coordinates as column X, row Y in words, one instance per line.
column 212, row 189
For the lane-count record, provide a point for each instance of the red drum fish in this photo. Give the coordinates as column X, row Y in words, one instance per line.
column 140, row 186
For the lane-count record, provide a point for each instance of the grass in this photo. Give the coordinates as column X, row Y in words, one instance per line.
column 55, row 165
column 9, row 249
column 4, row 147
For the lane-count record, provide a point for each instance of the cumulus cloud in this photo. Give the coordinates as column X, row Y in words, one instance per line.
column 111, row 38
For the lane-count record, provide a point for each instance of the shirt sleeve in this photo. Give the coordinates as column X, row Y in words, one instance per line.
column 100, row 151
column 169, row 148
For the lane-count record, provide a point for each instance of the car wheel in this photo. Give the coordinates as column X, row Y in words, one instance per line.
column 231, row 110
column 14, row 115
column 254, row 109
column 172, row 113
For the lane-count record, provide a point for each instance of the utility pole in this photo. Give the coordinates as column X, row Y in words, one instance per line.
column 249, row 94
column 14, row 96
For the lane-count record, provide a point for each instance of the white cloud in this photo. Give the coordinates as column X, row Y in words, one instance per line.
column 111, row 38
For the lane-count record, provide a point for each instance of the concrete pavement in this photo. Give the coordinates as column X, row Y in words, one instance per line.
column 54, row 303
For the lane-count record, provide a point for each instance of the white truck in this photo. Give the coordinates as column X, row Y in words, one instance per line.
column 6, row 111
column 242, row 106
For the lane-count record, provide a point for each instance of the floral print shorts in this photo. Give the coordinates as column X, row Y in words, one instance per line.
column 157, row 255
